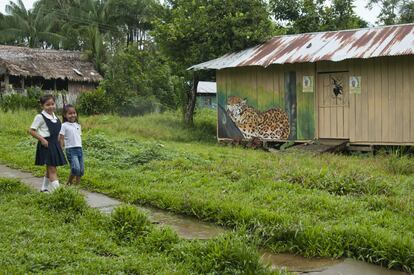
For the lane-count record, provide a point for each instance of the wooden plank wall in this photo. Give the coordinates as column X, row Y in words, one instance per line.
column 383, row 111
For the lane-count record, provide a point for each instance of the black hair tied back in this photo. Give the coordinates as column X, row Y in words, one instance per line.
column 45, row 98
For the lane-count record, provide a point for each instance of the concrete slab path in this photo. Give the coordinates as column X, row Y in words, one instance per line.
column 186, row 227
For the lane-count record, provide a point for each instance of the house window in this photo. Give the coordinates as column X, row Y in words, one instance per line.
column 48, row 84
column 61, row 84
column 15, row 81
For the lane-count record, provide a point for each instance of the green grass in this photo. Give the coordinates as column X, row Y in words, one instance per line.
column 58, row 234
column 327, row 205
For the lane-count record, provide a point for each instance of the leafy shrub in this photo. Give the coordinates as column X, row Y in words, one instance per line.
column 34, row 93
column 14, row 102
column 94, row 102
column 134, row 75
column 26, row 100
column 161, row 239
column 352, row 183
column 12, row 186
column 128, row 223
column 227, row 254
column 67, row 200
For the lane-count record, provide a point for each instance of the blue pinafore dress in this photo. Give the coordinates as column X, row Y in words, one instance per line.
column 53, row 154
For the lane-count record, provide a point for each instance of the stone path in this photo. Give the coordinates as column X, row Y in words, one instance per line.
column 190, row 228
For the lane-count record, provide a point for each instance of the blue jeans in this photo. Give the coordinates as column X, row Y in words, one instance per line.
column 75, row 158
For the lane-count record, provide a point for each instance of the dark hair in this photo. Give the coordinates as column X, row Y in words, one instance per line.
column 65, row 110
column 45, row 98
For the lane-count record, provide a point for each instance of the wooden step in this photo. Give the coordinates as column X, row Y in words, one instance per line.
column 324, row 145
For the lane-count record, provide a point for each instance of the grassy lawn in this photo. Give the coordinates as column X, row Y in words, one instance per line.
column 59, row 234
column 327, row 205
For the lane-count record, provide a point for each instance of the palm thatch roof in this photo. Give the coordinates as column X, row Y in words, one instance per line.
column 49, row 64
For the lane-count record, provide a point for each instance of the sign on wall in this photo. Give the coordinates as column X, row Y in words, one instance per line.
column 355, row 85
column 308, row 83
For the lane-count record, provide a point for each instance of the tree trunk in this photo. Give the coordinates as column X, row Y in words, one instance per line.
column 191, row 101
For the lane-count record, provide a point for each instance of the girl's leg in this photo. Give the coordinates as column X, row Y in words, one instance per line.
column 52, row 172
column 70, row 179
column 45, row 183
column 76, row 166
column 53, row 177
column 77, row 180
column 82, row 167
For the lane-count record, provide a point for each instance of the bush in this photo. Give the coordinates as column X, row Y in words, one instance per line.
column 13, row 102
column 66, row 200
column 127, row 222
column 227, row 254
column 144, row 74
column 348, row 183
column 161, row 239
column 94, row 102
column 399, row 165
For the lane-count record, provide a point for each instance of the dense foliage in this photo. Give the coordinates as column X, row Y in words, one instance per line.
column 195, row 31
column 316, row 15
column 145, row 75
column 15, row 101
column 94, row 102
column 394, row 11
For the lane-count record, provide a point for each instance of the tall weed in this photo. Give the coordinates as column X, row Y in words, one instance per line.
column 346, row 183
column 65, row 199
column 227, row 254
column 399, row 165
column 128, row 223
column 12, row 186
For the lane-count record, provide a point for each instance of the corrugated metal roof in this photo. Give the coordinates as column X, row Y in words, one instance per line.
column 329, row 46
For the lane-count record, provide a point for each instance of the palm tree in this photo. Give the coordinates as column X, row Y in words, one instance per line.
column 94, row 47
column 28, row 28
column 89, row 17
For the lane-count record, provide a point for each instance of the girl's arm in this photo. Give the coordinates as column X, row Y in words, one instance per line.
column 62, row 140
column 42, row 140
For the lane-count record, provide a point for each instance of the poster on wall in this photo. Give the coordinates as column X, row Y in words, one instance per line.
column 355, row 85
column 308, row 83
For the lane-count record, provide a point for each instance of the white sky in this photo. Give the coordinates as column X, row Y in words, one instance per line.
column 367, row 15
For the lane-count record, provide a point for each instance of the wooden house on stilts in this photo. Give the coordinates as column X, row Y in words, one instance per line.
column 354, row 85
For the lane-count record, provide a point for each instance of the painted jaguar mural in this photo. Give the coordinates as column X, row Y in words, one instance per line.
column 271, row 124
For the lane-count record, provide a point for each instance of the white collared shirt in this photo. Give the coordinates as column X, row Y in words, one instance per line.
column 39, row 123
column 72, row 133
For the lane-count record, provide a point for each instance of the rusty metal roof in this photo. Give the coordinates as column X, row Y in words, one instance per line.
column 329, row 46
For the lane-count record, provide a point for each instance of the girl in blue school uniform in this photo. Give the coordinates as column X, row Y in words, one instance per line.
column 45, row 128
column 70, row 137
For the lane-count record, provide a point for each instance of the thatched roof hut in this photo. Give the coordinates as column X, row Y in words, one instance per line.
column 48, row 64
